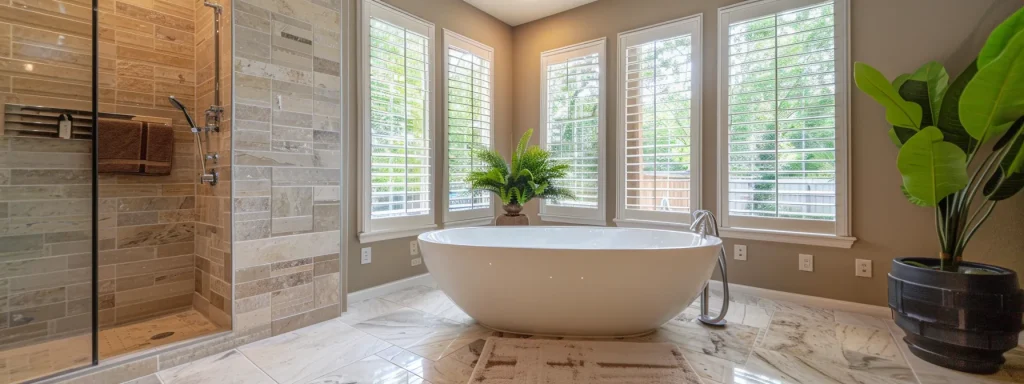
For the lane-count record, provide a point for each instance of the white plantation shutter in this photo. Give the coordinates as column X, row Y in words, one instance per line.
column 659, row 123
column 397, row 122
column 469, row 124
column 783, row 106
column 572, row 129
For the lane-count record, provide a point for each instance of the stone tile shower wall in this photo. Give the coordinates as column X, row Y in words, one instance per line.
column 45, row 258
column 286, row 163
column 213, row 274
column 147, row 252
column 147, row 52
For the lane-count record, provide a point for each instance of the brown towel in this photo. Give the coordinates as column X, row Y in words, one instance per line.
column 159, row 150
column 135, row 147
column 120, row 145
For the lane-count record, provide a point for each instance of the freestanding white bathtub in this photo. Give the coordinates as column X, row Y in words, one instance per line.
column 570, row 281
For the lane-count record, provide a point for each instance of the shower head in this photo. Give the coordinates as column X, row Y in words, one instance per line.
column 181, row 106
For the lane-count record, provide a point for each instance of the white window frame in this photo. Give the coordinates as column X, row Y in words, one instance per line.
column 577, row 215
column 692, row 25
column 372, row 230
column 472, row 217
column 787, row 230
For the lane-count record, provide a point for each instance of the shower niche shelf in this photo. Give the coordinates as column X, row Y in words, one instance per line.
column 38, row 121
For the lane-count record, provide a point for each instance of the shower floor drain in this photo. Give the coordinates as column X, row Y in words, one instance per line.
column 163, row 335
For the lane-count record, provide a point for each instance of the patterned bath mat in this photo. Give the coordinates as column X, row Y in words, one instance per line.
column 529, row 361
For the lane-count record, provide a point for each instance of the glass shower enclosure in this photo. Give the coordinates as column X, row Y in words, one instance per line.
column 114, row 199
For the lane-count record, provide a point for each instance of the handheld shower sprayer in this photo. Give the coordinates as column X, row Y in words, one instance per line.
column 181, row 106
column 204, row 177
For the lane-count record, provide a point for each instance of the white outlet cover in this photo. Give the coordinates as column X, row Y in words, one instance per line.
column 806, row 262
column 863, row 268
column 366, row 256
column 739, row 252
column 417, row 261
column 414, row 247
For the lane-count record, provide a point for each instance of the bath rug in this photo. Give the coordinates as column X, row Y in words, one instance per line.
column 530, row 361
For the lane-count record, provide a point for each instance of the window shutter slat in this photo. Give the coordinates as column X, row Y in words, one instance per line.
column 657, row 106
column 573, row 92
column 782, row 115
column 399, row 132
column 469, row 125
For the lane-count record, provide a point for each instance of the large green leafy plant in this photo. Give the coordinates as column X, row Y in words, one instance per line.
column 529, row 175
column 961, row 143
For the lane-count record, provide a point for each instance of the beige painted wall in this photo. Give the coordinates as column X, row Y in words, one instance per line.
column 391, row 259
column 886, row 34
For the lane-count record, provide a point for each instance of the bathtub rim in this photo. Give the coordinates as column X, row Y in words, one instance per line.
column 709, row 241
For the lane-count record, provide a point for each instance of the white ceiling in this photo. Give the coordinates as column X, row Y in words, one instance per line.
column 515, row 12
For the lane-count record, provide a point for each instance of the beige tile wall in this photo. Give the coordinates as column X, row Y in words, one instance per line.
column 147, row 264
column 287, row 163
column 45, row 258
column 212, row 296
column 147, row 238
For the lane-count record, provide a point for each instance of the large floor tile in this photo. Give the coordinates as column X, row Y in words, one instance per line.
column 426, row 335
column 230, row 367
column 309, row 353
column 775, row 367
column 800, row 339
column 860, row 319
column 429, row 300
column 408, row 295
column 710, row 368
column 444, row 371
column 367, row 309
column 371, row 370
column 737, row 313
column 731, row 342
column 868, row 340
column 802, row 334
column 928, row 373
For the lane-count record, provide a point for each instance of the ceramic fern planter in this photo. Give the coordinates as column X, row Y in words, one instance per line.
column 512, row 216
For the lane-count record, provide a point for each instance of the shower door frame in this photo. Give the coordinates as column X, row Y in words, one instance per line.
column 95, row 245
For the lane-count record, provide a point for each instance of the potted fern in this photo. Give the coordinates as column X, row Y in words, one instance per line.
column 528, row 176
column 961, row 153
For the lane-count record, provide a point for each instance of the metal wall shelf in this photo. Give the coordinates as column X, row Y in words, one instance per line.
column 39, row 121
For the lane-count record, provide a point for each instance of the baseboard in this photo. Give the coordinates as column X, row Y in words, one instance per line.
column 814, row 301
column 389, row 288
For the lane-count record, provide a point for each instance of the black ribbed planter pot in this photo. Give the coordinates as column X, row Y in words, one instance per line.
column 955, row 320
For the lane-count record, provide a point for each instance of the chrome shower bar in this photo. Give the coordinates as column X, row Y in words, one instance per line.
column 216, row 111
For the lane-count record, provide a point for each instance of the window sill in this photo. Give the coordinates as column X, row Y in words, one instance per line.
column 633, row 223
column 483, row 221
column 821, row 240
column 371, row 237
column 574, row 220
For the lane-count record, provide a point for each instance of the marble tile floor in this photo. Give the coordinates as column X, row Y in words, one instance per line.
column 419, row 336
column 37, row 360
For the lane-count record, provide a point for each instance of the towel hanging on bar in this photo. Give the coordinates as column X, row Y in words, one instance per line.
column 135, row 147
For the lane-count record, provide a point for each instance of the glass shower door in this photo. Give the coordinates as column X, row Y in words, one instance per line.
column 47, row 184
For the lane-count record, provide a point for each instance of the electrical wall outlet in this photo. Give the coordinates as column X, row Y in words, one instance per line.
column 365, row 256
column 806, row 262
column 739, row 252
column 863, row 268
column 417, row 261
column 414, row 247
